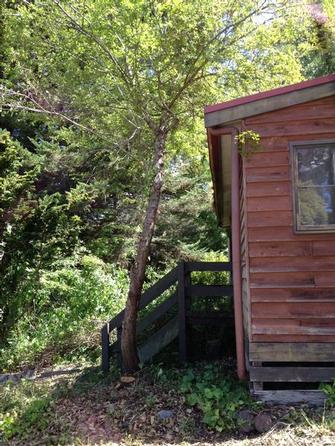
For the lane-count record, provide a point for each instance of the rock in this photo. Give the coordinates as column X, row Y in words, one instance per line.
column 110, row 409
column 169, row 437
column 125, row 425
column 127, row 379
column 114, row 396
column 245, row 420
column 165, row 414
column 263, row 422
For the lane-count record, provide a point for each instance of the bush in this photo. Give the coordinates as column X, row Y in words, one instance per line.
column 329, row 390
column 24, row 406
column 218, row 396
column 68, row 303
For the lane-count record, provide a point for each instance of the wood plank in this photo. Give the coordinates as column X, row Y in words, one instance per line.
column 294, row 263
column 292, row 352
column 293, row 330
column 156, row 313
column 281, row 249
column 158, row 341
column 316, row 295
column 292, row 338
column 268, row 159
column 208, row 266
column 293, row 310
column 148, row 296
column 280, row 143
column 323, row 108
column 265, row 219
column 281, row 279
column 182, row 313
column 159, row 287
column 283, row 233
column 323, row 278
column 324, row 248
column 269, row 188
column 195, row 291
column 296, row 127
column 269, row 204
column 267, row 174
column 310, row 397
column 105, row 350
column 292, row 374
column 266, row 105
column 245, row 289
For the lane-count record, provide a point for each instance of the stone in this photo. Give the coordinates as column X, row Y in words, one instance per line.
column 245, row 420
column 127, row 379
column 169, row 437
column 263, row 422
column 165, row 414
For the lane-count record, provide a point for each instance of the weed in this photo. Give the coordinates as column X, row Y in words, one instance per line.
column 219, row 397
column 24, row 406
column 329, row 390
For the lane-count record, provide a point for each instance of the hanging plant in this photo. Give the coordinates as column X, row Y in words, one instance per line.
column 248, row 142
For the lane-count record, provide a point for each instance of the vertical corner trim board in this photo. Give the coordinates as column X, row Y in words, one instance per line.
column 292, row 351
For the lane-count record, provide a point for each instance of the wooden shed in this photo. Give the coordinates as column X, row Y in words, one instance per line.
column 277, row 200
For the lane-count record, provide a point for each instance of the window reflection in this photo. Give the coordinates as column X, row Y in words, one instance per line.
column 315, row 185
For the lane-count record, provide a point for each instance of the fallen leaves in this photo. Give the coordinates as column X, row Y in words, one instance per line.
column 145, row 411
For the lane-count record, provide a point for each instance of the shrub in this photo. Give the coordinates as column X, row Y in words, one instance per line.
column 23, row 406
column 68, row 303
column 329, row 390
column 218, row 396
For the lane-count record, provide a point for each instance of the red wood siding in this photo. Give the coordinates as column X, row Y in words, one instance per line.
column 292, row 276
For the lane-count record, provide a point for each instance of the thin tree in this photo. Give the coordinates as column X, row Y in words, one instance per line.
column 152, row 63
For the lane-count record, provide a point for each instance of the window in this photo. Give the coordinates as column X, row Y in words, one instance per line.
column 314, row 185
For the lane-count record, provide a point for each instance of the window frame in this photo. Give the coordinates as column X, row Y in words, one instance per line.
column 297, row 227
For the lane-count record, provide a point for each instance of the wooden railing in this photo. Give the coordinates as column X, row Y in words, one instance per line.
column 185, row 291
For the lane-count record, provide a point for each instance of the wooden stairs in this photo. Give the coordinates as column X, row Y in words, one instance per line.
column 170, row 308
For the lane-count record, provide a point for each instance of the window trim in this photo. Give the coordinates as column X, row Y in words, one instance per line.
column 297, row 228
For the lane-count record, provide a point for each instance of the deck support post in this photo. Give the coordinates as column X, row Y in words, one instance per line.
column 105, row 348
column 182, row 312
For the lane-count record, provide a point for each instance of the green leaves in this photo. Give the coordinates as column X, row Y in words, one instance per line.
column 217, row 395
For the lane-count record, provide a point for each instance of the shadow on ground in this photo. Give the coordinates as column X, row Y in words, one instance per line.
column 88, row 408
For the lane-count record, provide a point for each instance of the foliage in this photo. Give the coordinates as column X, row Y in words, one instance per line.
column 329, row 390
column 218, row 396
column 68, row 301
column 320, row 59
column 186, row 199
column 311, row 205
column 23, row 406
column 84, row 85
column 248, row 143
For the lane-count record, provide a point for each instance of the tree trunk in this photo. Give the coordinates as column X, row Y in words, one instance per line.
column 137, row 272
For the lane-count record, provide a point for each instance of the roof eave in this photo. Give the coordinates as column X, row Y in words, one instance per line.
column 268, row 104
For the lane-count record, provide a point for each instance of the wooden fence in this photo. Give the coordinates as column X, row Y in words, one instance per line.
column 183, row 293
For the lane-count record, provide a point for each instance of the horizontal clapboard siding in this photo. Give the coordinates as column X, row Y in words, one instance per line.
column 311, row 110
column 292, row 276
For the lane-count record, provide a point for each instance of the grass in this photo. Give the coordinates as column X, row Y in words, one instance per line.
column 86, row 408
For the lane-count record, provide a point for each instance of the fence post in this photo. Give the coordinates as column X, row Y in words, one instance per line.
column 119, row 352
column 182, row 312
column 105, row 348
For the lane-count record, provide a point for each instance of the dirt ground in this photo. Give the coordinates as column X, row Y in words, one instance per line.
column 81, row 411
